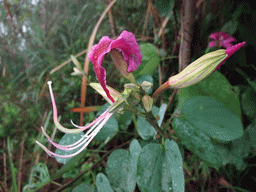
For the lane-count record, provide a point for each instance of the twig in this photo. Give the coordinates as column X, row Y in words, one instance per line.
column 44, row 117
column 187, row 20
column 112, row 21
column 125, row 18
column 9, row 12
column 164, row 23
column 5, row 165
column 20, row 162
column 146, row 19
column 86, row 62
column 171, row 98
column 66, row 62
column 56, row 69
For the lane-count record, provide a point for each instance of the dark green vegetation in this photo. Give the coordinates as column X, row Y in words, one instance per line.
column 36, row 38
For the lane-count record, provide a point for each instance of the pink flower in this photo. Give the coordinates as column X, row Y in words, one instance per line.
column 126, row 43
column 221, row 39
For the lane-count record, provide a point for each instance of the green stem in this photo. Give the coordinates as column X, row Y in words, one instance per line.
column 14, row 181
column 152, row 120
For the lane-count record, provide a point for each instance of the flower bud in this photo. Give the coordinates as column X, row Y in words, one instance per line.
column 145, row 85
column 199, row 69
column 147, row 102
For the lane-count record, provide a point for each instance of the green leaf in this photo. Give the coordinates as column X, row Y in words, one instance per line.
column 248, row 102
column 68, row 139
column 150, row 60
column 84, row 187
column 174, row 160
column 70, row 164
column 213, row 118
column 120, row 171
column 145, row 130
column 165, row 7
column 39, row 174
column 198, row 142
column 108, row 130
column 230, row 27
column 161, row 114
column 215, row 86
column 135, row 150
column 149, row 169
column 251, row 131
column 241, row 146
column 166, row 176
column 124, row 120
column 122, row 168
column 103, row 184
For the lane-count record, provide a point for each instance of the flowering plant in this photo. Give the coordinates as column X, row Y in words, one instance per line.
column 221, row 39
column 207, row 117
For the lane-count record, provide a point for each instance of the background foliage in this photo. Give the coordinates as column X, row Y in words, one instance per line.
column 37, row 37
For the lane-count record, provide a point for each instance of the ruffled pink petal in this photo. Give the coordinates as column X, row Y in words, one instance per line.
column 227, row 42
column 212, row 43
column 127, row 44
column 96, row 56
column 214, row 36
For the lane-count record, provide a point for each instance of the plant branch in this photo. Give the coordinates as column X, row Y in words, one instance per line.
column 187, row 21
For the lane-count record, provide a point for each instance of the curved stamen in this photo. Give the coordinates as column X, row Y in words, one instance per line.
column 71, row 146
column 55, row 115
column 102, row 116
column 94, row 133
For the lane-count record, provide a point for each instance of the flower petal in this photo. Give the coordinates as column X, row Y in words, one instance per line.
column 96, row 56
column 221, row 39
column 130, row 49
column 127, row 44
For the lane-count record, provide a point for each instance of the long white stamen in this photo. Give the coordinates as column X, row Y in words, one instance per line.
column 86, row 141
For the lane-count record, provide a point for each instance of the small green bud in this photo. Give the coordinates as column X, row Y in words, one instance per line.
column 76, row 62
column 145, row 85
column 147, row 102
column 132, row 87
column 76, row 72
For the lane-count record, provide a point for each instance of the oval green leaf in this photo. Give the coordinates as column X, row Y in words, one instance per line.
column 102, row 183
column 213, row 118
column 174, row 160
column 68, row 139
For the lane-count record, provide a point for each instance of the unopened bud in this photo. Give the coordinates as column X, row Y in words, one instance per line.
column 76, row 72
column 76, row 62
column 147, row 102
column 145, row 85
column 132, row 86
column 199, row 69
